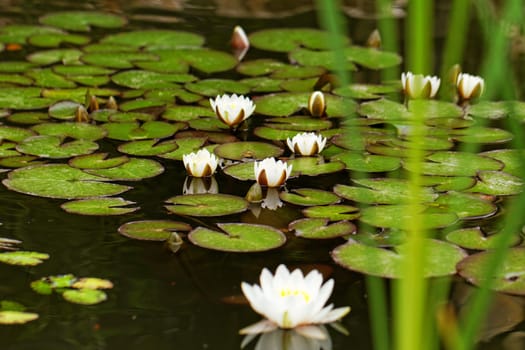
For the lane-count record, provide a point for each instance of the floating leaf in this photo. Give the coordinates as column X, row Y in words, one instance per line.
column 16, row 317
column 54, row 56
column 214, row 87
column 92, row 283
column 185, row 146
column 332, row 212
column 80, row 131
column 23, row 98
column 19, row 161
column 152, row 230
column 510, row 157
column 133, row 170
column 64, row 110
column 84, row 296
column 299, row 123
column 54, row 147
column 466, row 206
column 440, row 259
column 314, row 166
column 142, row 79
column 456, row 164
column 497, row 183
column 309, row 197
column 288, row 39
column 23, row 258
column 448, row 183
column 206, row 204
column 358, row 161
column 14, row 134
column 57, row 39
column 99, row 206
column 399, row 216
column 320, row 229
column 241, row 171
column 259, row 67
column 475, row 238
column 117, row 60
column 18, row 34
column 241, row 238
column 97, row 161
column 134, row 131
column 247, row 150
column 186, row 113
column 155, row 39
column 148, row 147
column 82, row 20
column 178, row 61
column 479, row 134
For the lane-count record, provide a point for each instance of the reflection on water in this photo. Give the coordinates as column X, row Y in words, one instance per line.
column 292, row 340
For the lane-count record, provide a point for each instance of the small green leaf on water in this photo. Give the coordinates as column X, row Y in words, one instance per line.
column 97, row 161
column 84, row 296
column 358, row 161
column 475, row 238
column 497, row 183
column 92, row 283
column 83, row 20
column 79, row 131
column 247, row 150
column 99, row 206
column 332, row 212
column 397, row 216
column 314, row 166
column 288, row 39
column 309, row 197
column 320, row 229
column 16, row 317
column 152, row 230
column 155, row 39
column 148, row 147
column 134, row 169
column 54, row 147
column 23, row 258
column 206, row 204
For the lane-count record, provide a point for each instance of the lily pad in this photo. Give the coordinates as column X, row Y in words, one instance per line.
column 475, row 238
column 14, row 134
column 497, row 183
column 358, row 161
column 84, row 296
column 186, row 113
column 268, row 133
column 206, row 204
column 97, row 161
column 18, row 34
column 332, row 212
column 54, row 147
column 143, row 79
column 259, row 67
column 148, row 147
column 307, row 197
column 509, row 278
column 60, row 181
column 320, row 229
column 82, row 20
column 440, row 259
column 28, row 117
column 23, row 258
column 134, row 169
column 99, row 206
column 298, row 123
column 92, row 283
column 152, row 230
column 134, row 131
column 155, row 39
column 47, row 78
column 510, row 157
column 214, row 87
column 448, row 183
column 19, row 161
column 240, row 171
column 314, row 166
column 22, row 98
column 117, row 59
column 57, row 39
column 47, row 57
column 466, row 206
column 247, row 150
column 241, row 238
column 483, row 135
column 64, row 110
column 456, row 164
column 16, row 317
column 185, row 146
column 288, row 39
column 79, row 131
column 399, row 216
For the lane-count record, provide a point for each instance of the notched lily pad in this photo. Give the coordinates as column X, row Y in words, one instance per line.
column 83, row 20
column 241, row 238
column 288, row 103
column 456, row 164
column 155, row 39
column 129, row 131
column 476, row 238
column 84, row 296
column 314, row 166
column 288, row 39
column 97, row 161
column 185, row 146
column 358, row 161
column 99, row 206
column 23, row 258
column 497, row 183
column 152, row 230
column 148, row 147
column 206, row 204
column 320, row 229
column 399, row 215
column 134, row 169
column 54, row 147
column 79, row 131
column 309, row 197
column 465, row 205
column 332, row 212
column 247, row 150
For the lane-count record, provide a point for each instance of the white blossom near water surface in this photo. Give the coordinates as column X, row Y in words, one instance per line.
column 306, row 143
column 291, row 300
column 272, row 173
column 232, row 109
column 469, row 86
column 317, row 104
column 417, row 86
column 200, row 164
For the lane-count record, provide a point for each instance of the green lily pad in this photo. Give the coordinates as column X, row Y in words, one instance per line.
column 47, row 78
column 23, row 98
column 298, row 123
column 23, row 258
column 134, row 169
column 448, row 183
column 60, row 181
column 82, row 70
column 48, row 57
column 440, row 259
column 206, row 204
column 358, row 161
column 18, row 34
column 240, row 238
column 143, row 105
column 268, row 133
column 497, row 183
column 99, row 206
column 207, row 124
column 143, row 79
column 28, row 117
column 314, row 166
column 155, row 39
column 15, row 79
column 14, row 134
column 332, row 212
column 64, row 110
column 491, row 110
column 16, row 317
column 152, row 230
column 84, row 296
column 247, row 150
column 79, row 131
column 508, row 279
column 307, row 197
column 92, row 283
column 185, row 146
column 241, row 171
column 135, row 131
column 456, row 164
column 90, row 80
column 173, row 94
column 509, row 157
column 320, row 229
column 8, row 305
column 117, row 59
column 399, row 216
column 383, row 191
column 465, row 205
column 19, row 161
column 365, row 91
column 186, row 113
column 263, row 84
column 148, row 147
column 97, row 161
column 83, row 20
column 288, row 39
column 78, row 94
column 7, row 149
column 475, row 238
column 260, row 67
column 384, row 109
column 48, row 146
column 214, row 87
column 483, row 135
column 57, row 39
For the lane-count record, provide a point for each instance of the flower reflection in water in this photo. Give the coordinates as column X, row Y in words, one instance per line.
column 271, row 201
column 198, row 185
column 315, row 338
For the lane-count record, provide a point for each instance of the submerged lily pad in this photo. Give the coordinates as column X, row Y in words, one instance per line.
column 60, row 181
column 152, row 230
column 320, row 229
column 84, row 296
column 508, row 279
column 99, row 206
column 440, row 259
column 23, row 258
column 241, row 238
column 247, row 149
column 16, row 317
column 206, row 204
column 83, row 20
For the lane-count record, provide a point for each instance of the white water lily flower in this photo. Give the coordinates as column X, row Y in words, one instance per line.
column 469, row 86
column 272, row 173
column 306, row 144
column 232, row 109
column 316, row 104
column 200, row 164
column 290, row 300
column 419, row 86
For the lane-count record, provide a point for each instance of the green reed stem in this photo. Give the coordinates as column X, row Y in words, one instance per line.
column 457, row 34
column 388, row 28
column 375, row 287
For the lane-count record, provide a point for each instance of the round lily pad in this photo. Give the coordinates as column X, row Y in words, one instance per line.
column 475, row 238
column 155, row 39
column 97, row 161
column 509, row 157
column 398, row 216
column 143, row 79
column 483, row 135
column 497, row 183
column 148, row 147
column 288, row 39
column 332, row 212
column 298, row 123
column 22, row 98
column 314, row 166
column 152, row 230
column 509, row 278
column 16, row 317
column 54, row 147
column 129, row 131
column 272, row 134
column 47, row 57
column 79, row 131
column 23, row 258
column 240, row 171
column 309, row 197
column 84, row 296
column 214, row 87
column 57, row 39
column 259, row 67
column 14, row 134
column 367, row 162
column 18, row 34
column 134, row 169
column 440, row 259
column 241, row 238
column 60, row 181
column 466, row 206
column 117, row 59
column 19, row 161
column 206, row 204
column 186, row 113
column 247, row 149
column 83, row 20
column 456, row 164
column 449, row 183
column 99, row 206
column 320, row 229
column 184, row 146
column 92, row 283
column 64, row 110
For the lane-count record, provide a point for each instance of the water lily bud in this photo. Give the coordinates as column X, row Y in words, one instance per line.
column 469, row 86
column 271, row 173
column 111, row 103
column 239, row 43
column 374, row 39
column 317, row 104
column 417, row 86
column 306, row 144
column 81, row 115
column 200, row 164
column 232, row 109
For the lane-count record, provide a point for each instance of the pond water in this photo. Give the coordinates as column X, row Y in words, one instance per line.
column 190, row 299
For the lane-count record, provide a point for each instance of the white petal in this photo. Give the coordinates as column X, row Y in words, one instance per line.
column 262, row 326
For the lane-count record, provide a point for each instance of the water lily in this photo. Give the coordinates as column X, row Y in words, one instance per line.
column 469, row 86
column 316, row 338
column 306, row 144
column 290, row 300
column 317, row 104
column 200, row 164
column 272, row 173
column 198, row 185
column 240, row 43
column 232, row 109
column 419, row 86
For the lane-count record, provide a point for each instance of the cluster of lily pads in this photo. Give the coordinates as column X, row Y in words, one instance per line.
column 86, row 116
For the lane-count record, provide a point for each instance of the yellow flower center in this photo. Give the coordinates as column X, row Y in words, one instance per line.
column 295, row 292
